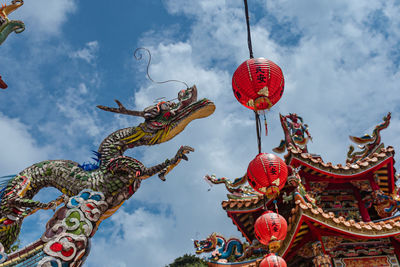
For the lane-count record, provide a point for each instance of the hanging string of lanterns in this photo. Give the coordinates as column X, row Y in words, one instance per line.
column 258, row 84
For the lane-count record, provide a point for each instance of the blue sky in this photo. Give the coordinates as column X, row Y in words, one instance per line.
column 341, row 65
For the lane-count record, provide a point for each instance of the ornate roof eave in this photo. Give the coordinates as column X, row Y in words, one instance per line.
column 295, row 158
column 241, row 211
column 242, row 205
column 363, row 230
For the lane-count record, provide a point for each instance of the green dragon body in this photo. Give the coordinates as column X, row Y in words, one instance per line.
column 117, row 176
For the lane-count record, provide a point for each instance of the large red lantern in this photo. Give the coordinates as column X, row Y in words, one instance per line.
column 273, row 260
column 267, row 174
column 258, row 83
column 270, row 229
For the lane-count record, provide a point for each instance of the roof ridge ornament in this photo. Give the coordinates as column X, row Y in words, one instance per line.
column 368, row 144
column 295, row 132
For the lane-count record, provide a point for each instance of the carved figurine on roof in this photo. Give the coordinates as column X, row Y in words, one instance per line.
column 8, row 26
column 238, row 188
column 295, row 132
column 368, row 143
column 299, row 193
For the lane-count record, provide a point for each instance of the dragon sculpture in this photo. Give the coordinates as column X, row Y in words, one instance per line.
column 238, row 188
column 8, row 26
column 367, row 143
column 115, row 178
column 223, row 250
column 295, row 132
column 232, row 246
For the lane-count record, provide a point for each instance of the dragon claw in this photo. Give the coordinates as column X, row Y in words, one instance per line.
column 184, row 150
column 161, row 175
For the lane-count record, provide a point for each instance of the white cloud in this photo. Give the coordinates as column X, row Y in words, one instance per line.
column 19, row 148
column 141, row 232
column 88, row 53
column 44, row 17
column 73, row 106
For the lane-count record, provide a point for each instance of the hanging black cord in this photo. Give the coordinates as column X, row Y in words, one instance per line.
column 258, row 126
column 246, row 9
column 258, row 123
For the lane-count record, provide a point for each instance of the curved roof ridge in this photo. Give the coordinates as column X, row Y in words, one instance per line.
column 360, row 229
column 317, row 163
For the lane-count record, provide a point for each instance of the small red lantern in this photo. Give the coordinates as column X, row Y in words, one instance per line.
column 272, row 260
column 267, row 174
column 258, row 83
column 270, row 228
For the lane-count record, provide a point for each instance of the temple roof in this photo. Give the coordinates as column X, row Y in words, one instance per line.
column 378, row 165
column 323, row 200
column 307, row 223
column 247, row 204
column 295, row 157
column 244, row 212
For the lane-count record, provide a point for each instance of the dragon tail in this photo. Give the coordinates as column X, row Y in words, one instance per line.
column 362, row 140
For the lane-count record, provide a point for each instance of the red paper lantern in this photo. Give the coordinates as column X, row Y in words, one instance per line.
column 270, row 227
column 273, row 260
column 267, row 174
column 258, row 83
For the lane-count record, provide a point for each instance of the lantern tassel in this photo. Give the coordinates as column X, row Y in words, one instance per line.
column 276, row 206
column 266, row 125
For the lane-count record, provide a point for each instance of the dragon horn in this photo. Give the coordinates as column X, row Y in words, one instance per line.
column 122, row 110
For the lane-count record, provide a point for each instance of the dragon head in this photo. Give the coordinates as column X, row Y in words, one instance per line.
column 206, row 245
column 166, row 119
